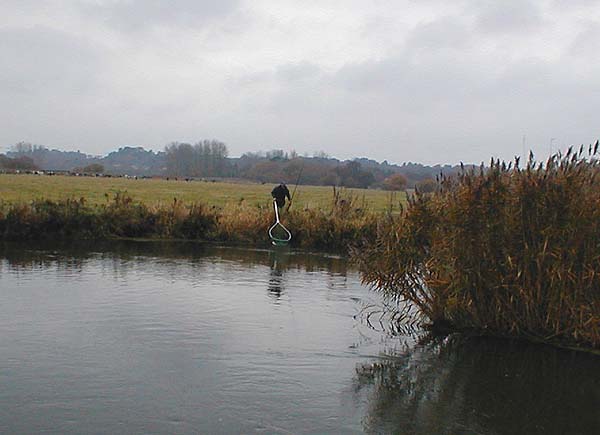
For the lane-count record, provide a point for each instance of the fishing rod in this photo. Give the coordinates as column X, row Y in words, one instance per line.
column 295, row 187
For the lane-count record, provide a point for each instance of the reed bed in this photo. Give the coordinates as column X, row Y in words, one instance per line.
column 346, row 221
column 504, row 250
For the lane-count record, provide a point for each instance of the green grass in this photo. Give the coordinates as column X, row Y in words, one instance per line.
column 25, row 188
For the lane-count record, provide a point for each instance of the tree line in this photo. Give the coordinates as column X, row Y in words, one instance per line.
column 210, row 159
column 22, row 163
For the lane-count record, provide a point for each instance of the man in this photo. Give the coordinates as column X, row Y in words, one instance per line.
column 279, row 193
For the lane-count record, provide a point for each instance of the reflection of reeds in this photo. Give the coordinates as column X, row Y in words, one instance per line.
column 505, row 250
column 346, row 221
column 465, row 385
column 68, row 253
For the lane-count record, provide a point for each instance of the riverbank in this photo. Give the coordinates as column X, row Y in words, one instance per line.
column 346, row 221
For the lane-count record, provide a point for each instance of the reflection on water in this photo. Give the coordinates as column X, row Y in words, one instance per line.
column 482, row 386
column 275, row 279
column 184, row 338
column 73, row 256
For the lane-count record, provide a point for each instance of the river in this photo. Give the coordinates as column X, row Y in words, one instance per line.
column 181, row 338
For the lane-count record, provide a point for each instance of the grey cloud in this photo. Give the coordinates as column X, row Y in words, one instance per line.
column 285, row 75
column 587, row 42
column 449, row 32
column 508, row 16
column 405, row 81
column 45, row 60
column 291, row 88
column 478, row 105
column 298, row 71
column 571, row 4
column 463, row 83
column 432, row 63
column 137, row 15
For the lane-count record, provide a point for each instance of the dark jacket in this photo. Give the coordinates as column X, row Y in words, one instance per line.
column 279, row 193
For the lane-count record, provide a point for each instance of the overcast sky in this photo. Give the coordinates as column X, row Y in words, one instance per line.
column 427, row 81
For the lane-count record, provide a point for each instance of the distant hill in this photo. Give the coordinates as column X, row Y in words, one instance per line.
column 135, row 161
column 125, row 161
column 47, row 159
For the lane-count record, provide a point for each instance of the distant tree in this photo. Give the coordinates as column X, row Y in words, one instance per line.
column 19, row 163
column 352, row 175
column 266, row 171
column 426, row 186
column 292, row 171
column 180, row 159
column 207, row 158
column 329, row 179
column 395, row 182
column 253, row 155
column 94, row 168
column 320, row 155
column 277, row 155
column 314, row 170
column 22, row 148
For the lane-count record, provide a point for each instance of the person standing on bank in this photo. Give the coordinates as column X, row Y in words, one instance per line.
column 279, row 193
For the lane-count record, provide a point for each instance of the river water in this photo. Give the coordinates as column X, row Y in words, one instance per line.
column 171, row 338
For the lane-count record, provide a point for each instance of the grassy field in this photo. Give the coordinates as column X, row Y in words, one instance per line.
column 23, row 188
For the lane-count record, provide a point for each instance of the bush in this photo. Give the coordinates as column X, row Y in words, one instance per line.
column 395, row 182
column 44, row 219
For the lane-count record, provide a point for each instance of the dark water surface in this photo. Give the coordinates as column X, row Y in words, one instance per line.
column 145, row 338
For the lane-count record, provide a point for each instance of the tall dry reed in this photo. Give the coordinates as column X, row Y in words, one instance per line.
column 504, row 250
